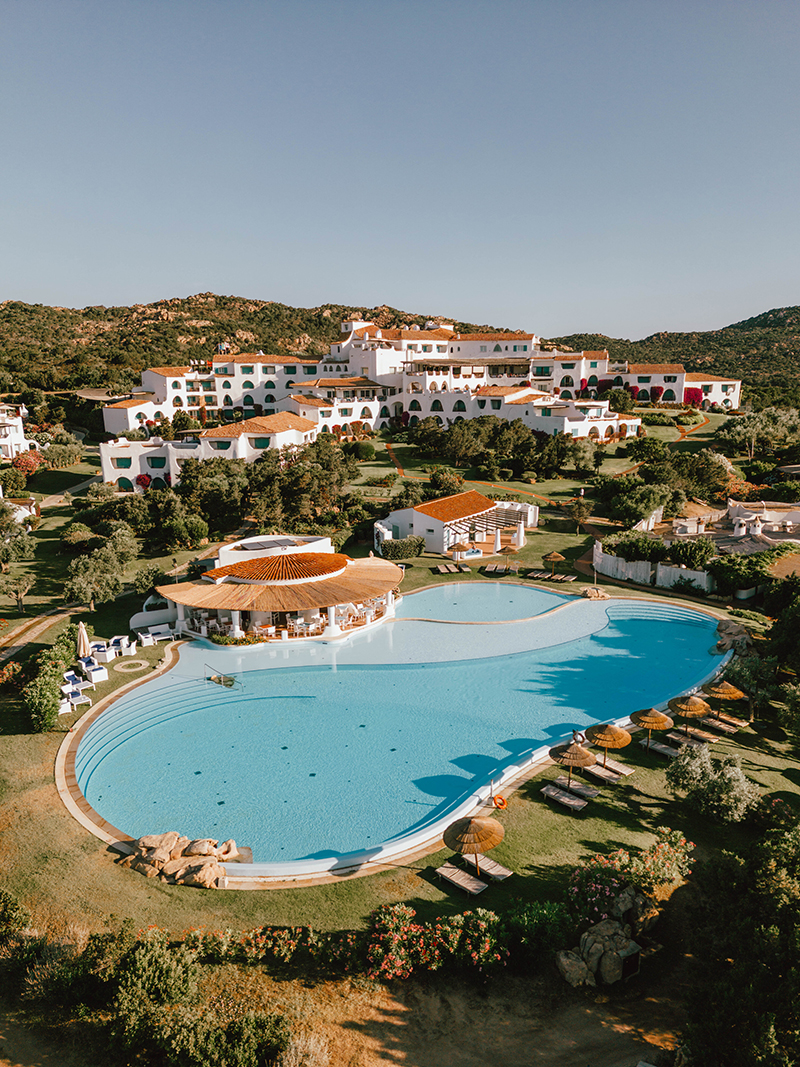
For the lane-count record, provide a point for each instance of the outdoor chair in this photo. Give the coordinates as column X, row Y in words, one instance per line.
column 731, row 720
column 619, row 768
column 464, row 568
column 463, row 879
column 570, row 578
column 451, row 568
column 720, row 726
column 605, row 774
column 683, row 739
column 491, row 868
column 145, row 639
column 441, row 568
column 581, row 789
column 500, row 570
column 75, row 696
column 514, row 568
column 567, row 800
column 490, row 568
column 661, row 749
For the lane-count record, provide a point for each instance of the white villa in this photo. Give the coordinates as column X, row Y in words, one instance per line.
column 158, row 463
column 374, row 375
column 469, row 522
column 281, row 588
column 12, row 434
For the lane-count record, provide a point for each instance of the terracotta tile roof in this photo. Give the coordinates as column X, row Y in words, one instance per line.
column 262, row 424
column 344, row 383
column 459, row 506
column 500, row 390
column 283, row 567
column 370, row 333
column 311, row 401
column 528, row 398
column 252, row 357
column 655, row 368
column 493, row 337
column 709, row 378
column 594, row 353
column 134, row 402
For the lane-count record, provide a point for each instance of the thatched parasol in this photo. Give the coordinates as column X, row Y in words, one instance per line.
column 553, row 557
column 649, row 719
column 475, row 835
column 507, row 550
column 608, row 736
column 690, row 707
column 573, row 755
column 722, row 691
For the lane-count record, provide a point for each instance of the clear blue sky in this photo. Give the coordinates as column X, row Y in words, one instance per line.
column 621, row 166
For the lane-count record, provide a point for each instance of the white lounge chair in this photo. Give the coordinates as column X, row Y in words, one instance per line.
column 463, row 879
column 162, row 632
column 491, row 868
column 75, row 696
column 145, row 639
column 561, row 796
column 77, row 682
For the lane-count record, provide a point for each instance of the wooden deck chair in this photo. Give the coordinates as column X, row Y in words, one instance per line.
column 463, row 879
column 500, row 569
column 567, row 800
column 441, row 568
column 464, row 568
column 661, row 749
column 580, row 789
column 452, row 568
column 620, row 768
column 720, row 726
column 682, row 739
column 491, row 868
column 490, row 568
column 605, row 774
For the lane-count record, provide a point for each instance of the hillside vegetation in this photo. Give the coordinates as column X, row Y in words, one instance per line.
column 64, row 348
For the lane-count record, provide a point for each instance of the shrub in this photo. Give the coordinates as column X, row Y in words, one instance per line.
column 13, row 916
column 716, row 788
column 27, row 463
column 657, row 418
column 693, row 554
column 536, row 930
column 592, row 891
column 666, row 860
column 42, row 698
column 403, row 548
column 635, row 546
column 683, row 586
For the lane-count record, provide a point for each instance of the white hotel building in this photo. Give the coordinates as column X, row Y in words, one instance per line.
column 380, row 376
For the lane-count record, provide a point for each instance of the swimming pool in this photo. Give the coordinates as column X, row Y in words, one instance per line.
column 328, row 754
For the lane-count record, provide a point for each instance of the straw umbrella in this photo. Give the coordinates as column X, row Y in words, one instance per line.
column 462, row 546
column 649, row 719
column 573, row 755
column 475, row 835
column 608, row 736
column 84, row 648
column 553, row 557
column 690, row 707
column 722, row 691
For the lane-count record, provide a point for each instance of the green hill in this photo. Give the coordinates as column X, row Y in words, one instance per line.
column 64, row 348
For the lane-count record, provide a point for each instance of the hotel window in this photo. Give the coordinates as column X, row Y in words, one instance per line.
column 290, row 370
column 593, row 363
column 483, row 348
column 520, row 348
column 495, row 404
column 310, row 371
column 226, row 385
column 193, row 387
column 670, row 378
column 209, row 387
column 220, row 446
column 345, row 411
column 267, row 370
column 156, row 461
column 325, row 414
column 644, row 380
column 481, row 404
column 259, row 442
column 222, row 370
column 247, row 385
column 427, row 348
column 176, row 385
column 248, row 401
column 568, row 366
column 247, row 370
column 121, row 462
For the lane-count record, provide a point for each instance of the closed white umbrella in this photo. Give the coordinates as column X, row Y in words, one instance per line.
column 497, row 541
column 84, row 648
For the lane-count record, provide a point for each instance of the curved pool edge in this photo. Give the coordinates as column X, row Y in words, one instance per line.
column 334, row 868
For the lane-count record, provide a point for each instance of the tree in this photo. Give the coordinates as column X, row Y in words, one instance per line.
column 620, row 400
column 94, row 579
column 582, row 453
column 17, row 546
column 717, row 788
column 444, row 482
column 18, row 588
column 27, row 462
column 147, row 578
column 693, row 554
column 579, row 511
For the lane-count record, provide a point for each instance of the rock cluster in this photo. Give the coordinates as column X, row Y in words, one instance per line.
column 181, row 861
column 600, row 955
column 591, row 592
column 732, row 635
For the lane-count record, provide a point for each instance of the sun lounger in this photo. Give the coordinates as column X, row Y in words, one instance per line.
column 464, row 568
column 441, row 568
column 463, row 879
column 500, row 569
column 452, row 568
column 720, row 726
column 684, row 739
column 605, row 774
column 569, row 578
column 581, row 789
column 514, row 568
column 620, row 768
column 491, row 868
column 490, row 568
column 661, row 749
column 560, row 796
column 731, row 720
column 703, row 736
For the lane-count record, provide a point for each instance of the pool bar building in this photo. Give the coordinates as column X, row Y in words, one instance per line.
column 280, row 589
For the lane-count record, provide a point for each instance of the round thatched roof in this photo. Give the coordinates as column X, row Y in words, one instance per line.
column 723, row 691
column 650, row 719
column 573, row 755
column 690, row 707
column 608, row 736
column 478, row 834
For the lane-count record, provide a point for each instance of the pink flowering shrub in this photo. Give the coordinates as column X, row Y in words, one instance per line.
column 592, row 891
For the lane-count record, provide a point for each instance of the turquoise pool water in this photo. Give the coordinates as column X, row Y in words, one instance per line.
column 328, row 750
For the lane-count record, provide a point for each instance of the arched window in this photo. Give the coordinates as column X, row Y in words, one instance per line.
column 618, row 382
column 269, row 385
column 413, row 420
column 497, row 348
column 609, row 431
column 365, row 413
column 594, row 432
column 444, row 387
column 140, row 416
column 567, row 380
column 566, row 394
column 459, row 406
column 158, row 483
column 433, row 387
column 247, row 385
column 437, row 406
column 159, row 415
column 383, row 425
column 438, row 420
column 227, row 402
column 269, row 399
column 289, row 384
column 226, row 385
column 669, row 394
column 324, row 428
column 385, row 412
column 643, row 394
column 177, row 402
column 623, row 429
column 458, row 418
column 592, row 382
column 248, row 401
column 414, row 406
column 125, row 484
column 176, row 385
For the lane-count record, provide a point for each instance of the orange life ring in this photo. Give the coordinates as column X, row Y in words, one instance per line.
column 500, row 802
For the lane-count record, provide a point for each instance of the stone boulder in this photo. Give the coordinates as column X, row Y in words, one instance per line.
column 573, row 969
column 180, row 861
column 644, row 913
